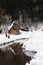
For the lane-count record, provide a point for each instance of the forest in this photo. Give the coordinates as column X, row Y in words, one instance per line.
column 32, row 8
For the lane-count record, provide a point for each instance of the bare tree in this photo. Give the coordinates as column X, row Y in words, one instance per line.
column 3, row 22
column 2, row 18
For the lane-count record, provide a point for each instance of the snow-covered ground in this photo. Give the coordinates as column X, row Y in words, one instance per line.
column 33, row 41
column 36, row 43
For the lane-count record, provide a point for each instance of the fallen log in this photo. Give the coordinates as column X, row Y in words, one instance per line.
column 6, row 44
column 24, row 29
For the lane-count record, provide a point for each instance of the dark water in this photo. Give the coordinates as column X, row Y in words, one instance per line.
column 8, row 58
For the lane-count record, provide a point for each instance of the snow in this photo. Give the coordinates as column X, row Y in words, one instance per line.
column 27, row 63
column 36, row 43
column 33, row 42
column 9, row 27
